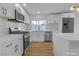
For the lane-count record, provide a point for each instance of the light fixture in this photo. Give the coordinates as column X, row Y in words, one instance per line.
column 38, row 12
column 24, row 4
column 17, row 5
column 77, row 9
column 74, row 8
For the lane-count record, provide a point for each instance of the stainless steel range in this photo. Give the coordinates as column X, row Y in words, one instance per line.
column 26, row 36
column 26, row 40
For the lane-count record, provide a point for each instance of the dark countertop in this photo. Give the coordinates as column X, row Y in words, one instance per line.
column 19, row 32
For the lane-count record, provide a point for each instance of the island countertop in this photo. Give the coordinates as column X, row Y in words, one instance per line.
column 68, row 36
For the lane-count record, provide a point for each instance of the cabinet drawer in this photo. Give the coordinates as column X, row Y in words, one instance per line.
column 8, row 49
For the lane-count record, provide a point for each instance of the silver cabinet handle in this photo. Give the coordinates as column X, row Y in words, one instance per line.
column 2, row 10
column 9, row 45
column 16, row 48
column 5, row 11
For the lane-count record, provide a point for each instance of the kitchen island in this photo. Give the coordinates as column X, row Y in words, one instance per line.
column 66, row 44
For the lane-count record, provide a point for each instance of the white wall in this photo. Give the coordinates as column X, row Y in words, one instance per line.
column 76, row 23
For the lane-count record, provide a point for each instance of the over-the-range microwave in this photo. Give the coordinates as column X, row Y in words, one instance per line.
column 18, row 16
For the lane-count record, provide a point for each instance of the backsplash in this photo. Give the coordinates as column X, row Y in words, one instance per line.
column 5, row 24
column 3, row 27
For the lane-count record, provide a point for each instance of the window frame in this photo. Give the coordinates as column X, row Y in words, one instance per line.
column 39, row 25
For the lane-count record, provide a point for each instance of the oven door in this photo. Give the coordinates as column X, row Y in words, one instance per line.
column 26, row 40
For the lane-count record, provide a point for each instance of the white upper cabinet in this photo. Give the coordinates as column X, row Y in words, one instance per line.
column 7, row 10
column 7, row 49
column 54, row 18
column 27, row 18
column 68, row 15
column 23, row 12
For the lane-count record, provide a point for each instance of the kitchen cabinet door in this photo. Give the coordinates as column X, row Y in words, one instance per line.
column 2, row 51
column 20, row 46
column 53, row 27
column 10, row 10
column 54, row 19
column 37, row 36
column 27, row 19
column 48, row 36
column 7, row 10
column 7, row 49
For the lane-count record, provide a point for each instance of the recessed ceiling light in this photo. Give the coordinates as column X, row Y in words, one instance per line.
column 38, row 12
column 24, row 4
column 17, row 5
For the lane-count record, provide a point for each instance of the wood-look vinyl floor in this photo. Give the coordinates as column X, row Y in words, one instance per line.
column 40, row 49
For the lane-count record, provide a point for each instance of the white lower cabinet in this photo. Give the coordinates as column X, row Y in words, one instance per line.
column 65, row 45
column 60, row 46
column 7, row 49
column 37, row 36
column 12, row 48
column 19, row 47
column 73, row 48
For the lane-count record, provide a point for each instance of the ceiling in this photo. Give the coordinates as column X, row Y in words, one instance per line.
column 46, row 8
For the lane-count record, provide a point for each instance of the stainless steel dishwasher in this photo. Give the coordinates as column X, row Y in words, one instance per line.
column 47, row 36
